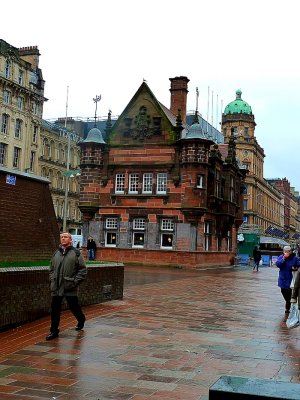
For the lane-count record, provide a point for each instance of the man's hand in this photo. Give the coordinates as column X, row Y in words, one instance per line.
column 293, row 300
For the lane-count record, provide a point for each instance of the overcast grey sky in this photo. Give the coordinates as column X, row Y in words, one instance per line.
column 108, row 47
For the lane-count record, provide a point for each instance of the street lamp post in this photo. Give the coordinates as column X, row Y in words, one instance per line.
column 67, row 184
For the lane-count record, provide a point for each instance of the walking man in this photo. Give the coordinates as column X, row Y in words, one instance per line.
column 67, row 271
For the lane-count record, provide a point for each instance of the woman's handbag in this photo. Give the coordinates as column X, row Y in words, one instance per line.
column 293, row 319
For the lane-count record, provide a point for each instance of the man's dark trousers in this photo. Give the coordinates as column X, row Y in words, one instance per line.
column 56, row 310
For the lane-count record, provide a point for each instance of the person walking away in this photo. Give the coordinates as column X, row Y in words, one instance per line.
column 287, row 263
column 91, row 248
column 256, row 258
column 67, row 271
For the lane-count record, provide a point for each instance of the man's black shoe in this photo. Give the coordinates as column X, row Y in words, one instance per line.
column 80, row 325
column 52, row 335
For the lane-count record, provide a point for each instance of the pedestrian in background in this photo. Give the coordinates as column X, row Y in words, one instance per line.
column 256, row 258
column 67, row 271
column 91, row 248
column 287, row 263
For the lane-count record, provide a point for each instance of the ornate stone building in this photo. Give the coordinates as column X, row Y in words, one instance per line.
column 21, row 106
column 158, row 191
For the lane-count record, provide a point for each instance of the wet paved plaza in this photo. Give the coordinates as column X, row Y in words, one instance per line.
column 171, row 337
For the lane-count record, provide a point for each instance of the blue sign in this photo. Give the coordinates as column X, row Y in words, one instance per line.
column 11, row 179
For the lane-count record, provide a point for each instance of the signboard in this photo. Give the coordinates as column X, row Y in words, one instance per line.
column 274, row 260
column 265, row 260
column 11, row 179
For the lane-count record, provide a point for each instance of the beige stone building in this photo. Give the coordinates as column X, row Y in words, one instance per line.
column 21, row 106
column 263, row 203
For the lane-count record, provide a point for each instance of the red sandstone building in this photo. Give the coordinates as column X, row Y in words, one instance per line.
column 158, row 191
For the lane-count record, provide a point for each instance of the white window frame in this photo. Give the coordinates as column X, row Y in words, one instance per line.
column 7, row 69
column 147, row 182
column 207, row 235
column 111, row 223
column 167, row 233
column 200, row 181
column 20, row 103
column 120, row 183
column 21, row 77
column 111, row 226
column 167, row 224
column 133, row 183
column 161, row 183
column 139, row 224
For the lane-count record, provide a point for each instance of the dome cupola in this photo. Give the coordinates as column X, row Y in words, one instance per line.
column 238, row 106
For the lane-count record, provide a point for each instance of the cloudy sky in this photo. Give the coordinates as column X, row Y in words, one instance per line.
column 108, row 47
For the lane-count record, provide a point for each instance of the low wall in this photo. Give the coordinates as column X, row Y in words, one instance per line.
column 25, row 292
column 185, row 259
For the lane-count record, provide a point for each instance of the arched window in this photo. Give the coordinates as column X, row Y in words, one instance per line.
column 46, row 148
column 52, row 149
column 7, row 69
column 59, row 181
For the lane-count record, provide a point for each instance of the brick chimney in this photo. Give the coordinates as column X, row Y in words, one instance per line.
column 179, row 93
column 30, row 54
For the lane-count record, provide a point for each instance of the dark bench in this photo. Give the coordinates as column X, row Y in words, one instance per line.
column 238, row 388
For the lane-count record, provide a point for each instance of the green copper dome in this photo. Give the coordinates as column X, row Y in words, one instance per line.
column 238, row 106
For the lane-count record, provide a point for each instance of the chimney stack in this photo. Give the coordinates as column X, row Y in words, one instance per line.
column 179, row 93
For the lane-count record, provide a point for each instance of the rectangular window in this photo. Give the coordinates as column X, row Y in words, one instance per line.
column 133, row 183
column 111, row 226
column 16, row 157
column 34, row 135
column 3, row 153
column 4, row 123
column 6, row 97
column 120, row 183
column 200, row 181
column 20, row 77
column 245, row 204
column 147, row 182
column 7, row 69
column 246, row 134
column 162, row 183
column 231, row 189
column 138, row 238
column 20, row 103
column 229, row 241
column 32, row 160
column 217, row 184
column 207, row 235
column 167, row 233
column 34, row 107
column 18, row 128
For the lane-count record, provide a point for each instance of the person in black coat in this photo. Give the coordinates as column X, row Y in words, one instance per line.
column 256, row 258
column 91, row 248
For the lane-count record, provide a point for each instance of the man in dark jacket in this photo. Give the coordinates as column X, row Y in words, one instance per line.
column 67, row 271
column 256, row 258
column 91, row 248
column 287, row 263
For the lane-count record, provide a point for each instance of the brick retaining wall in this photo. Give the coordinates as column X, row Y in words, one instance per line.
column 25, row 294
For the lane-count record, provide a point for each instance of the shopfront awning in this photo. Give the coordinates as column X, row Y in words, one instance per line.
column 272, row 240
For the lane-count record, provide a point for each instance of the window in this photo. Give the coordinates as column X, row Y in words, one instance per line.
column 35, row 133
column 111, row 227
column 133, row 183
column 16, row 157
column 32, row 160
column 18, row 128
column 147, row 182
column 218, row 184
column 120, row 183
column 7, row 69
column 3, row 153
column 34, row 107
column 138, row 238
column 20, row 77
column 200, row 181
column 207, row 235
column 20, row 103
column 245, row 204
column 167, row 233
column 231, row 189
column 4, row 123
column 162, row 183
column 6, row 97
column 229, row 241
column 246, row 134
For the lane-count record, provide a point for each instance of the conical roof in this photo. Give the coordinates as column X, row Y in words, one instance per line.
column 94, row 136
column 238, row 106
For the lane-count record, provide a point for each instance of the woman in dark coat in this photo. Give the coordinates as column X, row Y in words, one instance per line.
column 256, row 258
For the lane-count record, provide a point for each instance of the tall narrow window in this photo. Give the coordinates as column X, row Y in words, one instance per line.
column 246, row 134
column 4, row 123
column 35, row 133
column 20, row 77
column 218, row 184
column 200, row 181
column 20, row 103
column 147, row 182
column 16, row 157
column 120, row 183
column 133, row 183
column 7, row 69
column 6, row 97
column 161, row 183
column 138, row 235
column 18, row 128
column 34, row 107
column 231, row 189
column 32, row 160
column 207, row 235
column 111, row 231
column 3, row 153
column 167, row 233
